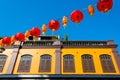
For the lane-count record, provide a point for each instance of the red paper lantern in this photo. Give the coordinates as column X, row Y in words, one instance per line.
column 54, row 25
column 76, row 16
column 6, row 40
column 104, row 5
column 20, row 37
column 35, row 32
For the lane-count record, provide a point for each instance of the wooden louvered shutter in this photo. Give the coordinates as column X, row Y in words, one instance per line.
column 110, row 65
column 107, row 64
column 87, row 63
column 2, row 62
column 25, row 63
column 45, row 63
column 27, row 66
column 68, row 63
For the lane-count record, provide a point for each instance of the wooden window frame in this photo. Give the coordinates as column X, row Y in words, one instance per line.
column 25, row 63
column 3, row 59
column 45, row 63
column 68, row 63
column 87, row 63
column 107, row 63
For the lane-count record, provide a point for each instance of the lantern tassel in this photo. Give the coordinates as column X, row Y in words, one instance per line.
column 43, row 33
column 64, row 27
column 52, row 33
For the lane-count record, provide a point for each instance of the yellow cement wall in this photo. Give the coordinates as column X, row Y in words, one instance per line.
column 77, row 52
column 95, row 52
column 8, row 53
column 36, row 53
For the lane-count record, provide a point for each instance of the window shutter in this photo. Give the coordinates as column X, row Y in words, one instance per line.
column 25, row 63
column 2, row 62
column 107, row 64
column 45, row 63
column 68, row 63
column 87, row 63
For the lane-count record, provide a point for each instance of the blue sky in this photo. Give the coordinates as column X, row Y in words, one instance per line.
column 21, row 15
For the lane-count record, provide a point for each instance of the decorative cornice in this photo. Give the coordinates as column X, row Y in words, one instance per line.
column 92, row 46
column 64, row 44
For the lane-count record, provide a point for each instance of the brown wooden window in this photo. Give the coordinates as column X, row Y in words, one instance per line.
column 2, row 62
column 25, row 63
column 45, row 63
column 87, row 63
column 107, row 64
column 68, row 63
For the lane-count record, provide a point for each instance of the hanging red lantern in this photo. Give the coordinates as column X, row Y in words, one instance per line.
column 76, row 16
column 104, row 5
column 6, row 40
column 64, row 21
column 91, row 10
column 20, row 37
column 35, row 31
column 44, row 28
column 54, row 25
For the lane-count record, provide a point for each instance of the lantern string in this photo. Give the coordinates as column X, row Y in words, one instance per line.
column 58, row 19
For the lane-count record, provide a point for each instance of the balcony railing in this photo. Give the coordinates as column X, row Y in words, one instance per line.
column 38, row 43
column 65, row 43
column 84, row 43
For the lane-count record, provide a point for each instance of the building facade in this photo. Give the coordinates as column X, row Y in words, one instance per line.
column 52, row 57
